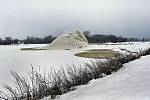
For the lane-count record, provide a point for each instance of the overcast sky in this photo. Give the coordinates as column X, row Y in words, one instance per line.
column 20, row 18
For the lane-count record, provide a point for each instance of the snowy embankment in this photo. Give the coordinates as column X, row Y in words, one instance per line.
column 131, row 82
column 12, row 58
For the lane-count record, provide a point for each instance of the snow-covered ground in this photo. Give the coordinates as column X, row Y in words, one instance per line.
column 12, row 58
column 131, row 82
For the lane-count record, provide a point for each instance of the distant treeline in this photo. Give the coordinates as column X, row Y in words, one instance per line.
column 28, row 40
column 48, row 39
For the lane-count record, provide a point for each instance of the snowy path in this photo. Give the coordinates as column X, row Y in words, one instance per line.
column 132, row 82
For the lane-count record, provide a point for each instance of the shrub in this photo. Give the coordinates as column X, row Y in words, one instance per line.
column 37, row 85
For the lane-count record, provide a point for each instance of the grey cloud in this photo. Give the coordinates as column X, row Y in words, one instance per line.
column 20, row 18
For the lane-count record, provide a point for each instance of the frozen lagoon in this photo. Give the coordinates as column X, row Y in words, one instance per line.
column 12, row 58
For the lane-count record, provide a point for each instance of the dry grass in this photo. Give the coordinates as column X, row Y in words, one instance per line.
column 37, row 85
column 98, row 54
column 26, row 49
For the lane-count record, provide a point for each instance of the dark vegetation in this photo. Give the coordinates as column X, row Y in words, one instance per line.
column 37, row 85
column 48, row 39
column 97, row 38
column 28, row 40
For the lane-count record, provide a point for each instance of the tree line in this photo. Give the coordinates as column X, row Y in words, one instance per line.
column 48, row 39
column 28, row 40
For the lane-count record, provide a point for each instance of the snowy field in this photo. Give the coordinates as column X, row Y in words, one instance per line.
column 131, row 82
column 12, row 58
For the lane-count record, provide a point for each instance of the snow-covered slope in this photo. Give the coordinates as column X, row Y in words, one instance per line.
column 132, row 82
column 12, row 58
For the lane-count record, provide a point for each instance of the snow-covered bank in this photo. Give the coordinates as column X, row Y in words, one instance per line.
column 129, row 83
column 12, row 58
